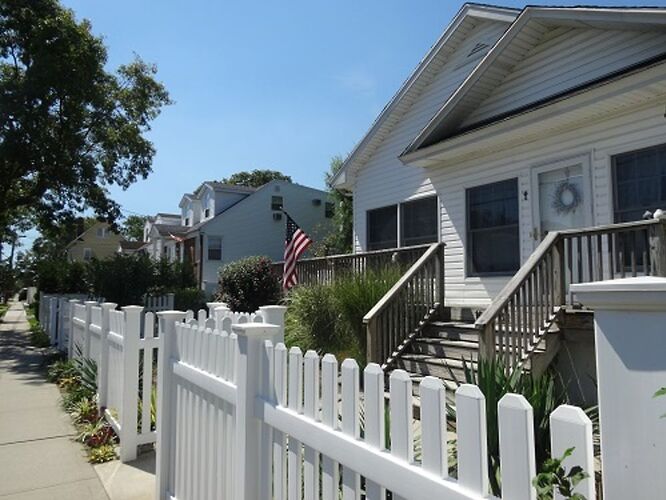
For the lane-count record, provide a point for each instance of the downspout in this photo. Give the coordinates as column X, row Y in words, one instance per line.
column 201, row 253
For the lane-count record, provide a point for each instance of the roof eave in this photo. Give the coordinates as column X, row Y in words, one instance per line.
column 501, row 14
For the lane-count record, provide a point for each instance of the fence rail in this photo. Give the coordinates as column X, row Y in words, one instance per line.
column 516, row 321
column 252, row 420
column 320, row 270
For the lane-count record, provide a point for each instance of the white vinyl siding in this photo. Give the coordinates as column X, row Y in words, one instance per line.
column 564, row 59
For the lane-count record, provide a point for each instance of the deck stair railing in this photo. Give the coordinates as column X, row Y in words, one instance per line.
column 322, row 270
column 512, row 327
column 406, row 306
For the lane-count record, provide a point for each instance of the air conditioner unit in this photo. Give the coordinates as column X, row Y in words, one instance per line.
column 277, row 216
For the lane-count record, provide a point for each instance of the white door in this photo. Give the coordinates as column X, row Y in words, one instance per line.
column 562, row 196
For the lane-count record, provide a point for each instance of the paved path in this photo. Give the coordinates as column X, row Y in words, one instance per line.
column 38, row 459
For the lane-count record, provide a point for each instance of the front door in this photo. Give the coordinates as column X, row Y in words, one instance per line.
column 561, row 197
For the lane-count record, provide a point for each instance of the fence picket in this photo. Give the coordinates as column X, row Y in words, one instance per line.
column 329, row 402
column 570, row 427
column 351, row 480
column 433, row 426
column 516, row 441
column 311, row 409
column 279, row 438
column 472, row 440
column 374, row 420
column 402, row 433
column 294, row 395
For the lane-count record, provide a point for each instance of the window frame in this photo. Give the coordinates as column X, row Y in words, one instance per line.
column 87, row 254
column 277, row 206
column 469, row 272
column 367, row 226
column 209, row 249
column 401, row 220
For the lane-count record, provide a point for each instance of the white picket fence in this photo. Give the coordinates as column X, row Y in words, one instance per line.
column 239, row 418
column 124, row 344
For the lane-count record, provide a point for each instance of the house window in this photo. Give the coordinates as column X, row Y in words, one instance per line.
column 206, row 213
column 492, row 229
column 640, row 183
column 101, row 232
column 87, row 254
column 382, row 231
column 329, row 210
column 187, row 221
column 276, row 203
column 214, row 248
column 418, row 221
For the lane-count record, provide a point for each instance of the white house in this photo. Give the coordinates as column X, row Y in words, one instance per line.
column 516, row 123
column 222, row 223
column 160, row 235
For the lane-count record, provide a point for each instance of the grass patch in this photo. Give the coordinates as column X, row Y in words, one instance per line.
column 38, row 336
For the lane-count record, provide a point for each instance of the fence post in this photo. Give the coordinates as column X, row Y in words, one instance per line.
column 130, row 390
column 214, row 305
column 53, row 319
column 86, row 331
column 103, row 368
column 657, row 241
column 250, row 368
column 61, row 323
column 170, row 299
column 274, row 315
column 630, row 342
column 70, row 336
column 220, row 313
column 167, row 335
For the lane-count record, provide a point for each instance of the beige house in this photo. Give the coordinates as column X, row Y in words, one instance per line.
column 97, row 241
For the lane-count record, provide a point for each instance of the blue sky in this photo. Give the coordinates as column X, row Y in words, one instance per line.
column 281, row 85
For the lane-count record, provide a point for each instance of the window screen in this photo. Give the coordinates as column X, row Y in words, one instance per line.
column 492, row 229
column 382, row 229
column 418, row 222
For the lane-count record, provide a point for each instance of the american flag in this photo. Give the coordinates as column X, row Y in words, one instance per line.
column 295, row 244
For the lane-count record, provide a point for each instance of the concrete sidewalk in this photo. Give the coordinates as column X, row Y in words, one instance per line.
column 38, row 459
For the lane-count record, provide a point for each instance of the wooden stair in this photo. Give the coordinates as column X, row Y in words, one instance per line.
column 444, row 347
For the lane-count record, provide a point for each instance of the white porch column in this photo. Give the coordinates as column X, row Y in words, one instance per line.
column 630, row 338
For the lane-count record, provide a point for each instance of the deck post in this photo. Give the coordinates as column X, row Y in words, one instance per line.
column 559, row 275
column 657, row 238
column 372, row 341
column 487, row 342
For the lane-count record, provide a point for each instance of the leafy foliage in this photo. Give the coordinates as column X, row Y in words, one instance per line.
column 553, row 477
column 132, row 227
column 69, row 128
column 329, row 318
column 339, row 241
column 494, row 382
column 104, row 453
column 249, row 283
column 189, row 299
column 255, row 178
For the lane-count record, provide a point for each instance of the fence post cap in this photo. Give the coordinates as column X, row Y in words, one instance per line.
column 255, row 330
column 90, row 302
column 215, row 305
column 73, row 301
column 132, row 308
column 643, row 293
column 109, row 305
column 273, row 308
column 171, row 314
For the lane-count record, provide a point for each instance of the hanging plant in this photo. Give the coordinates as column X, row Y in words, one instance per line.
column 566, row 198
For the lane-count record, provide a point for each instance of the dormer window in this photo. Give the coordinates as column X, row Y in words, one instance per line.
column 101, row 232
column 207, row 213
column 187, row 221
column 276, row 203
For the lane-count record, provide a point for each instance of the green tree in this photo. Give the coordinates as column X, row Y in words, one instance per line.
column 255, row 178
column 68, row 128
column 339, row 241
column 132, row 227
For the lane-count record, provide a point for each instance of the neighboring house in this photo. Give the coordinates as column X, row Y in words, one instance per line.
column 126, row 247
column 97, row 241
column 530, row 143
column 515, row 123
column 222, row 223
column 160, row 234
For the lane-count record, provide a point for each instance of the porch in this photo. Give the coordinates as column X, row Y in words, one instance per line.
column 412, row 328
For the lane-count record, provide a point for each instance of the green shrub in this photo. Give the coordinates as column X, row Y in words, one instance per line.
column 191, row 299
column 329, row 318
column 249, row 283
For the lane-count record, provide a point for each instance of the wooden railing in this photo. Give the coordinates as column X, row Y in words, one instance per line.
column 406, row 306
column 326, row 269
column 518, row 318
